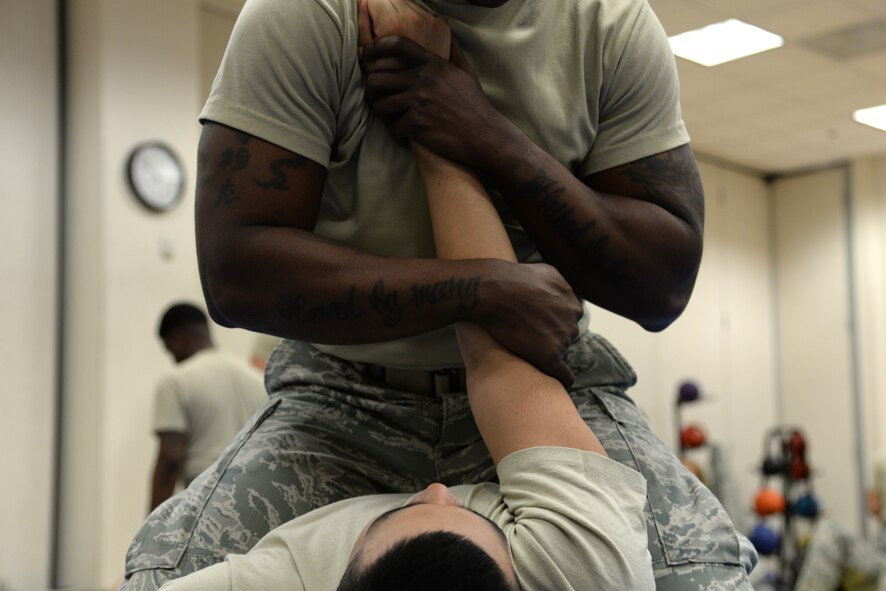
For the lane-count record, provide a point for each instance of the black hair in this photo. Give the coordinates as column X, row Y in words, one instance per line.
column 433, row 561
column 179, row 316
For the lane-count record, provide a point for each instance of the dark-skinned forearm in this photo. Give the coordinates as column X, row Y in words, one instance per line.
column 637, row 257
column 163, row 482
column 295, row 284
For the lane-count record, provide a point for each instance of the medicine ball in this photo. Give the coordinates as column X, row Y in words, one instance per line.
column 769, row 501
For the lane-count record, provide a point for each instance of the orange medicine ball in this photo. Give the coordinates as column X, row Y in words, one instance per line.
column 768, row 502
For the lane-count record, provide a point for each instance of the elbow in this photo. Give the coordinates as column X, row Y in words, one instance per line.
column 663, row 312
column 666, row 303
column 219, row 280
column 220, row 294
column 668, row 298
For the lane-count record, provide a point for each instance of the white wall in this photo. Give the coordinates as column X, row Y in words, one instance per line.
column 815, row 333
column 869, row 248
column 724, row 341
column 136, row 76
column 139, row 71
column 28, row 189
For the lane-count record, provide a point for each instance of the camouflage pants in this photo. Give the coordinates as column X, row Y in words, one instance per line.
column 331, row 431
column 836, row 559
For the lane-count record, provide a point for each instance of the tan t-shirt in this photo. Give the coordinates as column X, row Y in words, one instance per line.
column 573, row 520
column 209, row 397
column 592, row 82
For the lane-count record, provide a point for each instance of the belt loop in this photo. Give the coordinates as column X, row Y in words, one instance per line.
column 442, row 382
column 450, row 380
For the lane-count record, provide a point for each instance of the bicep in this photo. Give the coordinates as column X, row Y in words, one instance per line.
column 246, row 181
column 669, row 180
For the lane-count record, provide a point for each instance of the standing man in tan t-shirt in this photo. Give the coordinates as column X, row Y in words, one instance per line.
column 202, row 404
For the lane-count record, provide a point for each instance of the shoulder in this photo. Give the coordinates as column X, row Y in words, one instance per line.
column 169, row 382
column 572, row 513
column 312, row 549
column 300, row 12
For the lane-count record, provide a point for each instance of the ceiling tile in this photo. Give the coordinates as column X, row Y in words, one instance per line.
column 873, row 7
column 872, row 66
column 679, row 17
column 778, row 64
column 786, row 109
column 816, row 17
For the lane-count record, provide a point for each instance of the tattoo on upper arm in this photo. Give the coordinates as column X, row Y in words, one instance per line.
column 231, row 161
column 279, row 180
column 661, row 175
column 226, row 193
column 235, row 159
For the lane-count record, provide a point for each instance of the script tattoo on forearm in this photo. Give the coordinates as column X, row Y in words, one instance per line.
column 279, row 180
column 386, row 304
column 294, row 308
column 464, row 291
column 547, row 194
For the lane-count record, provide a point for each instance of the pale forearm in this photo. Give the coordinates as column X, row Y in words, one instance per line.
column 465, row 222
column 514, row 404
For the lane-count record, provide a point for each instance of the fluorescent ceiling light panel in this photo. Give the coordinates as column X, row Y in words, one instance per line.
column 723, row 42
column 873, row 116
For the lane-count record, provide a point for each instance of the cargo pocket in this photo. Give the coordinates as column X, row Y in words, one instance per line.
column 685, row 521
column 163, row 539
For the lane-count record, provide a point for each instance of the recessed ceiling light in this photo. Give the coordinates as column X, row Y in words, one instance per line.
column 723, row 42
column 873, row 116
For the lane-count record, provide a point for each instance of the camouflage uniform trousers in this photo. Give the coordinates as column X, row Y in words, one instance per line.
column 837, row 559
column 331, row 431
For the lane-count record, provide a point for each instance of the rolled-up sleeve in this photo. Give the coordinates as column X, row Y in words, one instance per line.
column 575, row 518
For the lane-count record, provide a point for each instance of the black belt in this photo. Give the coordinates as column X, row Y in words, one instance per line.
column 436, row 381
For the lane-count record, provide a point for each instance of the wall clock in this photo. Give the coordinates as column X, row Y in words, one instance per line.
column 156, row 176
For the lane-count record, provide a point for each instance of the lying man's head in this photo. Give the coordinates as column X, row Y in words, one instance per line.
column 429, row 544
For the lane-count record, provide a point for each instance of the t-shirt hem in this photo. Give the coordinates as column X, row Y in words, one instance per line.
column 267, row 129
column 671, row 137
column 518, row 460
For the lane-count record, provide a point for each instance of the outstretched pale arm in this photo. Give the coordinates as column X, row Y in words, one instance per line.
column 515, row 405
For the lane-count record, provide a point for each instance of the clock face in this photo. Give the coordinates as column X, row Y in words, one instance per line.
column 156, row 176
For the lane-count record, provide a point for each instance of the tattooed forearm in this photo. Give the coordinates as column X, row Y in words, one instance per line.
column 387, row 304
column 279, row 180
column 464, row 291
column 547, row 194
column 585, row 238
column 293, row 308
